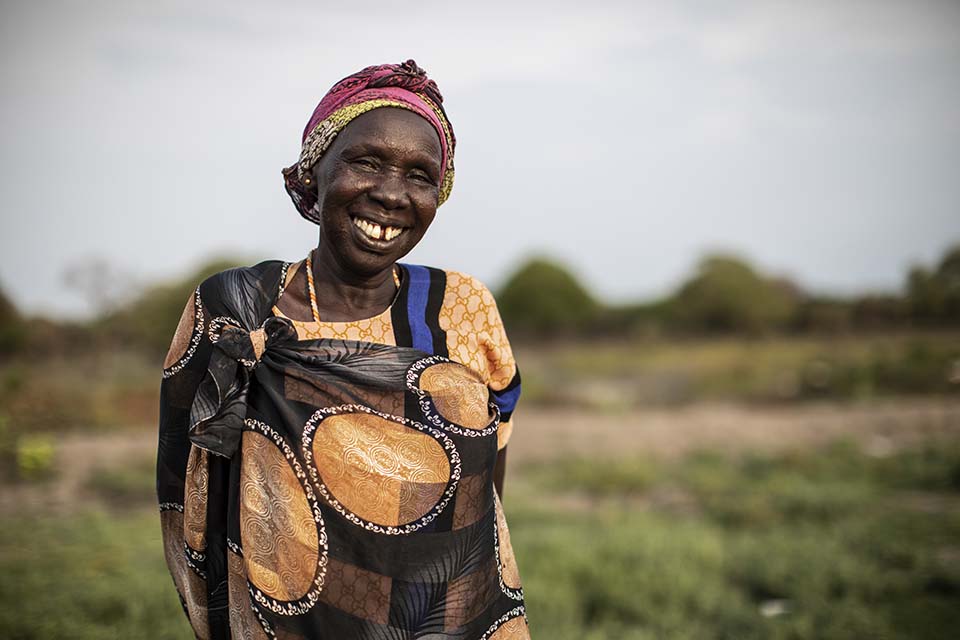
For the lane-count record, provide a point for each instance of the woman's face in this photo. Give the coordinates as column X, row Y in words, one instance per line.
column 377, row 189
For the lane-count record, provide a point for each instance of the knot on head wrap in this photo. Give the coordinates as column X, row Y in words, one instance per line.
column 405, row 86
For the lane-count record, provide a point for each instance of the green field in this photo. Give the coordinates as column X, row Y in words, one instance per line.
column 820, row 543
column 623, row 524
column 625, row 374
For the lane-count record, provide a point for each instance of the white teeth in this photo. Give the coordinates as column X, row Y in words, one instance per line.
column 373, row 230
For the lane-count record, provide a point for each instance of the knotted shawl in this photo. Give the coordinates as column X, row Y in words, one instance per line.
column 327, row 489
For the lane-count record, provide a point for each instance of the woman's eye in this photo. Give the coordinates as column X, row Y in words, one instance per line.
column 365, row 163
column 419, row 176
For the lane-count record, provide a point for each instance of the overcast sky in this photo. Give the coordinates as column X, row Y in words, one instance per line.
column 821, row 140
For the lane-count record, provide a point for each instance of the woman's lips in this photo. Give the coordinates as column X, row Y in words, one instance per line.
column 375, row 235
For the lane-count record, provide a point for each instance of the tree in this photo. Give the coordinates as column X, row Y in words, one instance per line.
column 727, row 295
column 544, row 299
column 13, row 331
column 933, row 297
column 150, row 320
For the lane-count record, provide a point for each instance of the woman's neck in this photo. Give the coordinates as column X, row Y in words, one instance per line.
column 344, row 296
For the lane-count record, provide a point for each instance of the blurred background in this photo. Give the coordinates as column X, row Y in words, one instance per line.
column 724, row 237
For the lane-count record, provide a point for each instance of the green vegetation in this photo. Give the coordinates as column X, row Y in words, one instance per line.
column 543, row 299
column 12, row 329
column 35, row 457
column 132, row 483
column 727, row 296
column 626, row 374
column 91, row 391
column 829, row 543
column 934, row 295
column 91, row 576
column 149, row 321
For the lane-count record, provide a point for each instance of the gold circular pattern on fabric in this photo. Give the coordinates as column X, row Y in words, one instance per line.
column 195, row 500
column 244, row 624
column 458, row 393
column 458, row 396
column 281, row 528
column 369, row 464
column 384, row 473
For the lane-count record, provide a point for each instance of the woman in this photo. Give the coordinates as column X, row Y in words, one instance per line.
column 333, row 432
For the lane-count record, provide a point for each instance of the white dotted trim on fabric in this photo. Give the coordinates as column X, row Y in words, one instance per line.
column 194, row 560
column 217, row 325
column 267, row 629
column 194, row 338
column 233, row 546
column 283, row 278
column 305, row 602
column 516, row 612
column 453, row 457
column 516, row 594
column 216, row 330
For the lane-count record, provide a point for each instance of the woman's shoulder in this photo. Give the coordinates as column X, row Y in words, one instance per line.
column 457, row 285
column 266, row 270
column 248, row 291
column 468, row 289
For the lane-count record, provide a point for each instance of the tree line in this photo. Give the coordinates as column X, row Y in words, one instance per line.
column 726, row 295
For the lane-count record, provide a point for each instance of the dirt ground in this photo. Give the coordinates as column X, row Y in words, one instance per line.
column 879, row 426
column 544, row 434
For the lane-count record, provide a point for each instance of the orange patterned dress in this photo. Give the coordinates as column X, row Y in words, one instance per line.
column 334, row 479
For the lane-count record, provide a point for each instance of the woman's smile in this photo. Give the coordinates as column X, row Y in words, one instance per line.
column 378, row 236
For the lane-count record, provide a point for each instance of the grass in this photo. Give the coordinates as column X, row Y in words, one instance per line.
column 93, row 576
column 111, row 389
column 628, row 373
column 828, row 543
column 83, row 392
column 125, row 485
column 823, row 544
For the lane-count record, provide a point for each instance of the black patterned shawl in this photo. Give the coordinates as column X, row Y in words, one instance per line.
column 327, row 489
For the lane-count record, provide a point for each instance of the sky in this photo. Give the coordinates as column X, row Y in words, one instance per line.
column 820, row 140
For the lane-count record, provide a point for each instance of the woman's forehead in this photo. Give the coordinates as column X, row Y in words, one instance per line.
column 392, row 126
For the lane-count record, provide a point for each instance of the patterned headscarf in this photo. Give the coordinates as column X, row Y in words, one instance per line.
column 405, row 86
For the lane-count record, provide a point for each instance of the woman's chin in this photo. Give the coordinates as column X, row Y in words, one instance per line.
column 374, row 255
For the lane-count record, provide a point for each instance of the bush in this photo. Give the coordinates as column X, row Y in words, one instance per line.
column 150, row 320
column 933, row 297
column 13, row 331
column 543, row 299
column 727, row 295
column 35, row 457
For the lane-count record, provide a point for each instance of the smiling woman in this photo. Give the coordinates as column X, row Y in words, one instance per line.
column 333, row 431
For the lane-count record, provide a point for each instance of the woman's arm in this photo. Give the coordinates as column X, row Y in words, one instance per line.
column 499, row 471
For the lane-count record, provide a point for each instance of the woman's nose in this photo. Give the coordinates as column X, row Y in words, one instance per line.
column 389, row 190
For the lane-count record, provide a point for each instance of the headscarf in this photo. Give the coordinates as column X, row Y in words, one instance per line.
column 405, row 86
